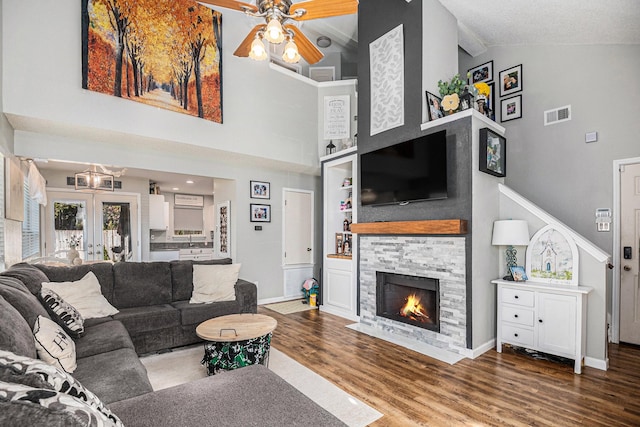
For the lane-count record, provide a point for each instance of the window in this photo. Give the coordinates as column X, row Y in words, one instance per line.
column 2, row 211
column 188, row 221
column 30, row 225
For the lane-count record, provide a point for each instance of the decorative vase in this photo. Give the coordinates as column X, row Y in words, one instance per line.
column 73, row 254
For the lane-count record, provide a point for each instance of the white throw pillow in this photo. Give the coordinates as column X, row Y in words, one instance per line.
column 214, row 283
column 53, row 344
column 85, row 295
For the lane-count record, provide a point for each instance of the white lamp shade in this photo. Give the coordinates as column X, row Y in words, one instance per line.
column 291, row 54
column 510, row 232
column 257, row 52
column 274, row 33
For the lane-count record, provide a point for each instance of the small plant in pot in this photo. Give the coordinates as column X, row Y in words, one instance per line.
column 450, row 91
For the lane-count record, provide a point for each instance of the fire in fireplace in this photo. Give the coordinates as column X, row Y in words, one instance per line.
column 409, row 299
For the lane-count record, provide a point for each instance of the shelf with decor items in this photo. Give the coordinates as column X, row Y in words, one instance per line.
column 545, row 317
column 339, row 279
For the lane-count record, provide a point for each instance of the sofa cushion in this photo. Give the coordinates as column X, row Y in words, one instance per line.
column 27, row 406
column 193, row 314
column 51, row 378
column 28, row 274
column 182, row 276
column 145, row 319
column 102, row 270
column 138, row 284
column 63, row 313
column 102, row 338
column 126, row 376
column 212, row 283
column 53, row 344
column 15, row 333
column 85, row 295
column 17, row 294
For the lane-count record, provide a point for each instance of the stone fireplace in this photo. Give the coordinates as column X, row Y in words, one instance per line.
column 442, row 260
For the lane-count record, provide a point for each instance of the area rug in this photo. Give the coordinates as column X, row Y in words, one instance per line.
column 183, row 365
column 288, row 307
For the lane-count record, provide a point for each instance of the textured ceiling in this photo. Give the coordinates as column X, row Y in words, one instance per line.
column 537, row 22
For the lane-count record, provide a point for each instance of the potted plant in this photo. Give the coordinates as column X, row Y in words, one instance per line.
column 450, row 91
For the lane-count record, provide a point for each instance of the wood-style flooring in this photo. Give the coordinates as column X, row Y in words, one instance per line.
column 507, row 389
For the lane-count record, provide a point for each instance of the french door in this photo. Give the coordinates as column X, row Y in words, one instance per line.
column 100, row 226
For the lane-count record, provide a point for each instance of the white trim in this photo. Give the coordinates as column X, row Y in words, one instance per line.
column 615, row 290
column 307, row 80
column 583, row 243
column 480, row 350
column 461, row 115
column 339, row 154
column 591, row 362
column 276, row 299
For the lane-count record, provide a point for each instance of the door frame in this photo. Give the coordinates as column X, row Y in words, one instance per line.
column 138, row 248
column 615, row 290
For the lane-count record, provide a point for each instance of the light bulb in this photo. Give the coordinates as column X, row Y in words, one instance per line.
column 257, row 51
column 291, row 54
column 273, row 32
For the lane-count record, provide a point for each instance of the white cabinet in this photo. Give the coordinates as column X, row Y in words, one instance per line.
column 196, row 254
column 339, row 278
column 543, row 317
column 158, row 212
column 164, row 255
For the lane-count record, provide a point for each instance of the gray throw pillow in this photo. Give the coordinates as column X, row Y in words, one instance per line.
column 52, row 378
column 63, row 313
column 21, row 299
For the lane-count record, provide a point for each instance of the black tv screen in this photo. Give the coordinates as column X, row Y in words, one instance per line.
column 409, row 171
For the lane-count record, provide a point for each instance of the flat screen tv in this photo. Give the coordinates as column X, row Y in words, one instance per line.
column 409, row 171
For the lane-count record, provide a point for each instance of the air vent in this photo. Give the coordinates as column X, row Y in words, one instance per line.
column 557, row 115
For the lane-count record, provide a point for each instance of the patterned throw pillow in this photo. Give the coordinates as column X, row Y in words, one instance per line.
column 58, row 380
column 61, row 408
column 53, row 345
column 63, row 313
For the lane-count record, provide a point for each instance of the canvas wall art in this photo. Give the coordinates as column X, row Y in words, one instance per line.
column 163, row 53
column 552, row 257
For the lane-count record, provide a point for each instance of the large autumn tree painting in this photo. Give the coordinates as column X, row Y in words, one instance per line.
column 165, row 53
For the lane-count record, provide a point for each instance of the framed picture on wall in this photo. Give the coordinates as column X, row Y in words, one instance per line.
column 481, row 73
column 260, row 213
column 434, row 107
column 260, row 190
column 511, row 108
column 223, row 219
column 510, row 80
column 493, row 153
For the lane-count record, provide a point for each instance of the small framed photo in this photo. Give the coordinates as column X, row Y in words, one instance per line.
column 491, row 101
column 260, row 213
column 511, row 108
column 510, row 80
column 481, row 73
column 518, row 274
column 493, row 153
column 260, row 190
column 434, row 107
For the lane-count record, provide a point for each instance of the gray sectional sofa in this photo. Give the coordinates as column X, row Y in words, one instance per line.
column 154, row 314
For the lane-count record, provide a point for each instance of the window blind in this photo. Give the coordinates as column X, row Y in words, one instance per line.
column 30, row 225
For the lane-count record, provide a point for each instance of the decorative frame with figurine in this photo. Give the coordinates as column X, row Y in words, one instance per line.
column 260, row 213
column 510, row 80
column 518, row 274
column 493, row 153
column 339, row 243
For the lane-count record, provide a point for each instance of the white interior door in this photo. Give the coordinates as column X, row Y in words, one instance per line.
column 630, row 254
column 298, row 227
column 103, row 225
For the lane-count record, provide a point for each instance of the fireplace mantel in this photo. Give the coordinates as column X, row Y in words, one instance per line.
column 437, row 226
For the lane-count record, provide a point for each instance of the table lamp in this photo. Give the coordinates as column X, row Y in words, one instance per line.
column 510, row 233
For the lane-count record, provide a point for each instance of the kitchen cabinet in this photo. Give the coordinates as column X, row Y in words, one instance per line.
column 164, row 255
column 544, row 317
column 158, row 212
column 196, row 254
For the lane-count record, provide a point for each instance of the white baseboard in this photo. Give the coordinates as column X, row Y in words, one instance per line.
column 478, row 351
column 340, row 313
column 277, row 299
column 591, row 362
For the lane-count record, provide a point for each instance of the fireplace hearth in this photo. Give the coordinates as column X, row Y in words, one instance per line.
column 409, row 299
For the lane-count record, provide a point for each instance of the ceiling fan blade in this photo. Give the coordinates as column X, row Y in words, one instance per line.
column 307, row 49
column 245, row 47
column 230, row 4
column 324, row 8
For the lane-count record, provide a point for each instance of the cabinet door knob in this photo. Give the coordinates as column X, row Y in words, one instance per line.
column 515, row 315
column 539, row 320
column 516, row 297
column 515, row 335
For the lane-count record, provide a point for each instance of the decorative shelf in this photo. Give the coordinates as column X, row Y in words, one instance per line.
column 346, row 187
column 336, row 256
column 345, row 210
column 437, row 226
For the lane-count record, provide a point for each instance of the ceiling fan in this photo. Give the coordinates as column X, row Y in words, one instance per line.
column 275, row 30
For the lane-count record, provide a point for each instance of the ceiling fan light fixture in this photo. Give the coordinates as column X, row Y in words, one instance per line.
column 257, row 52
column 291, row 54
column 274, row 33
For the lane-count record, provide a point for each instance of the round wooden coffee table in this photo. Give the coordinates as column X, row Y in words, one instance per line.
column 236, row 340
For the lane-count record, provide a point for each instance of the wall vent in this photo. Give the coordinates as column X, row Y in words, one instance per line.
column 557, row 115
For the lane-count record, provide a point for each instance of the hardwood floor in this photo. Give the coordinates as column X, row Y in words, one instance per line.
column 507, row 389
